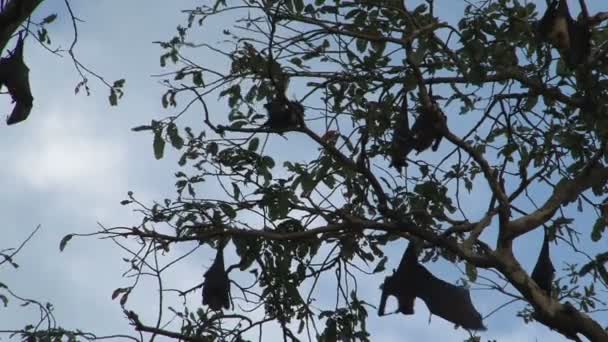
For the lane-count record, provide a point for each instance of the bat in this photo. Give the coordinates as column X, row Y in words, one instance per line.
column 216, row 287
column 14, row 74
column 424, row 131
column 544, row 272
column 411, row 280
column 570, row 37
column 284, row 114
column 402, row 142
column 400, row 284
column 424, row 134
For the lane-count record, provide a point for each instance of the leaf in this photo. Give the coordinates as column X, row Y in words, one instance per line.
column 361, row 44
column 381, row 265
column 141, row 128
column 159, row 145
column 598, row 229
column 119, row 84
column 49, row 19
column 64, row 241
column 471, row 271
column 113, row 98
column 173, row 133
column 197, row 79
column 124, row 298
column 253, row 144
column 299, row 5
column 228, row 211
column 117, row 292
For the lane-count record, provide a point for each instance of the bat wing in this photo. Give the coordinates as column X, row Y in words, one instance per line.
column 396, row 285
column 450, row 302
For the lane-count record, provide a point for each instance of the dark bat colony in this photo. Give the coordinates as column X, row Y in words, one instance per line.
column 412, row 280
column 14, row 74
column 571, row 37
column 216, row 287
column 544, row 271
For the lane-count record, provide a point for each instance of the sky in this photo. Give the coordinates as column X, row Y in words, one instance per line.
column 70, row 164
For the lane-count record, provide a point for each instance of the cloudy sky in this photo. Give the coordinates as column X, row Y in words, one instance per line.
column 70, row 164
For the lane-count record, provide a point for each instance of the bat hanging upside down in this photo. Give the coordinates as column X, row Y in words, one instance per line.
column 216, row 287
column 411, row 280
column 14, row 74
column 571, row 37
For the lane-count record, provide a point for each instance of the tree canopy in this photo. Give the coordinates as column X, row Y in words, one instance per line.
column 316, row 137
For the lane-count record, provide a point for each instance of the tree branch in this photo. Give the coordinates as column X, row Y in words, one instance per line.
column 14, row 13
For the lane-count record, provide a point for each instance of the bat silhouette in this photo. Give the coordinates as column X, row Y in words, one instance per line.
column 14, row 74
column 570, row 37
column 402, row 142
column 411, row 280
column 284, row 114
column 424, row 134
column 216, row 287
column 544, row 272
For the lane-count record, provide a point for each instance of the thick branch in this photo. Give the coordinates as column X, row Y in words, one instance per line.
column 204, row 232
column 563, row 318
column 566, row 191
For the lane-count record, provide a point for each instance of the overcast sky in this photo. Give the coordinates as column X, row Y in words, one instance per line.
column 70, row 164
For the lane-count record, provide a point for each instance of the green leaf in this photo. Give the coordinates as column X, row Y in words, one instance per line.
column 113, row 98
column 381, row 265
column 299, row 5
column 197, row 79
column 228, row 210
column 119, row 84
column 174, row 137
column 64, row 241
column 141, row 128
column 49, row 19
column 253, row 144
column 159, row 145
column 471, row 272
column 361, row 44
column 598, row 229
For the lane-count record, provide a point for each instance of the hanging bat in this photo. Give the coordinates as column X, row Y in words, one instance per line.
column 14, row 74
column 402, row 142
column 400, row 284
column 216, row 287
column 570, row 37
column 284, row 114
column 411, row 280
column 544, row 272
column 424, row 134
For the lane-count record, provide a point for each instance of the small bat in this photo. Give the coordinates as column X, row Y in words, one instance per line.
column 216, row 287
column 411, row 280
column 284, row 114
column 14, row 74
column 544, row 272
column 570, row 37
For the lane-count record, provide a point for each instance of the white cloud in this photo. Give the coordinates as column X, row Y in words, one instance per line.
column 64, row 154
